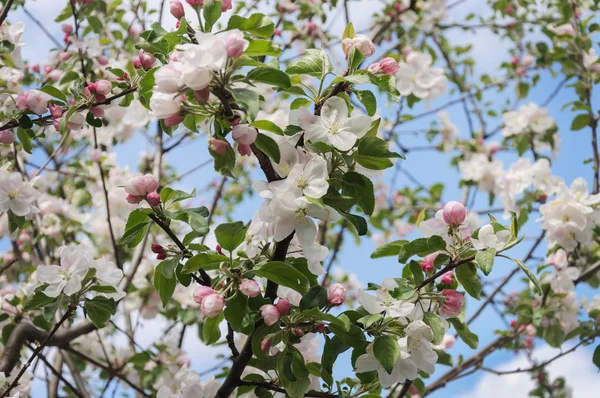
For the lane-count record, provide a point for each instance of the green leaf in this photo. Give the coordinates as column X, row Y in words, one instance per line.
column 210, row 331
column 25, row 122
column 239, row 315
column 464, row 333
column 485, row 260
column 96, row 24
column 136, row 227
column 100, row 310
column 212, row 12
column 367, row 98
column 554, row 335
column 198, row 223
column 267, row 125
column 360, row 187
column 333, row 348
column 249, row 98
column 38, row 300
column 389, row 249
column 300, row 103
column 373, row 153
column 284, row 274
column 262, row 48
column 268, row 146
column 206, row 261
column 529, row 274
column 580, row 122
column 293, row 373
column 437, row 326
column 314, row 63
column 316, row 297
column 386, row 351
column 25, row 139
column 169, row 196
column 257, row 24
column 230, row 235
column 53, row 91
column 93, row 120
column 421, row 247
column 359, row 223
column 271, row 76
column 468, row 278
column 348, row 31
column 596, row 357
column 164, row 286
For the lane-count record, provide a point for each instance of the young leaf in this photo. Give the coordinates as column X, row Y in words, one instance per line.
column 99, row 310
column 164, row 286
column 230, row 235
column 268, row 145
column 485, row 260
column 468, row 278
column 387, row 351
column 389, row 249
column 284, row 274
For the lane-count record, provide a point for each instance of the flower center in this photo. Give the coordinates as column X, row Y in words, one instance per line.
column 335, row 127
column 12, row 195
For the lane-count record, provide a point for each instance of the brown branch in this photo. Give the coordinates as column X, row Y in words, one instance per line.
column 35, row 353
column 25, row 332
column 57, row 373
column 5, row 11
column 442, row 271
column 274, row 387
column 7, row 265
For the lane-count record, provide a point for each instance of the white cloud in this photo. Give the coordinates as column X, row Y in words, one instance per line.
column 577, row 368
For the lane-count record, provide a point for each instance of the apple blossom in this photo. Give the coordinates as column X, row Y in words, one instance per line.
column 153, row 198
column 336, row 295
column 244, row 134
column 488, row 238
column 454, row 213
column 219, row 146
column 270, row 314
column 75, row 263
column 361, row 42
column 283, row 306
column 17, row 195
column 6, row 137
column 452, row 304
column 202, row 292
column 212, row 305
column 389, row 66
column 250, row 288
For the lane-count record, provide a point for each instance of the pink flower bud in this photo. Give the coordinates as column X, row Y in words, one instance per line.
column 227, row 5
column 361, row 42
column 244, row 150
column 64, row 56
column 201, row 292
column 297, row 332
column 283, row 306
column 219, row 249
column 234, row 120
column 235, row 44
column 427, row 263
column 250, row 288
column 527, row 60
column 320, row 327
column 161, row 256
column 448, row 341
column 7, row 137
column 37, row 101
column 174, row 120
column 47, row 68
column 176, row 9
column 508, row 10
column 156, row 248
column 244, row 134
column 97, row 111
column 103, row 87
column 137, row 64
column 375, row 68
column 153, row 199
column 453, row 302
column 389, row 66
column 35, row 67
column 447, row 278
column 270, row 314
column 146, row 59
column 454, row 213
column 21, row 103
column 141, row 185
column 100, row 98
column 277, row 32
column 66, row 28
column 202, row 95
column 55, row 75
column 218, row 146
column 336, row 294
column 133, row 199
column 514, row 60
column 102, row 60
column 212, row 305
column 265, row 345
column 195, row 2
column 520, row 71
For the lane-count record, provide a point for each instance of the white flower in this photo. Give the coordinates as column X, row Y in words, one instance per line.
column 487, row 238
column 419, row 346
column 416, row 76
column 563, row 30
column 17, row 195
column 167, row 79
column 589, row 59
column 480, row 169
column 109, row 275
column 383, row 301
column 404, row 368
column 448, row 130
column 164, row 105
column 198, row 61
column 309, row 179
column 188, row 384
column 334, row 127
column 529, row 118
column 67, row 278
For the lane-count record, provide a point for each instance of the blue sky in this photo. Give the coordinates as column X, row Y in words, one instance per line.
column 428, row 167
